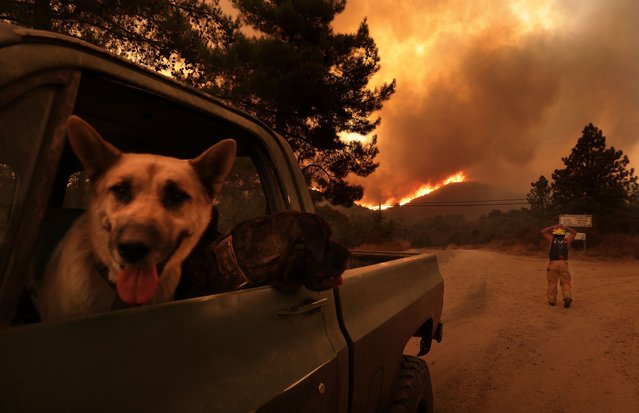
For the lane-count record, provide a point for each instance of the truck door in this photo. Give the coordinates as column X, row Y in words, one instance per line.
column 251, row 350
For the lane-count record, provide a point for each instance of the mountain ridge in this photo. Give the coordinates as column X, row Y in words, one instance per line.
column 470, row 199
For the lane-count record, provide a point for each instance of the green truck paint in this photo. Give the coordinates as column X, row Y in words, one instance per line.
column 252, row 350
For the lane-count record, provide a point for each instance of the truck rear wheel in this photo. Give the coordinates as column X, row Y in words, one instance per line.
column 414, row 392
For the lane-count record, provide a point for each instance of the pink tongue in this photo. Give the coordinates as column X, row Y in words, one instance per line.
column 137, row 285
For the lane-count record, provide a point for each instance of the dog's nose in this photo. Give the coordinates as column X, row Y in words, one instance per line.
column 133, row 252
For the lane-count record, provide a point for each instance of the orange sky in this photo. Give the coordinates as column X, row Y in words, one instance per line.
column 501, row 90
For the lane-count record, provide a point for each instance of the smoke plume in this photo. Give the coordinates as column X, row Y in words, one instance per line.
column 500, row 90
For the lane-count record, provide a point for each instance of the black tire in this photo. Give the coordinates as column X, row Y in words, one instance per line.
column 414, row 391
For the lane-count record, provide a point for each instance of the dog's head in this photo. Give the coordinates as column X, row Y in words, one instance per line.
column 147, row 211
column 288, row 249
column 324, row 260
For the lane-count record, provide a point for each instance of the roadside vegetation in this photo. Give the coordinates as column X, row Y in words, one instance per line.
column 595, row 180
column 513, row 231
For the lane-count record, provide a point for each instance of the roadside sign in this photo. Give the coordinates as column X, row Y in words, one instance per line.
column 575, row 220
column 580, row 236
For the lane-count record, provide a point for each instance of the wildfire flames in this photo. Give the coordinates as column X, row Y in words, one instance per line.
column 421, row 191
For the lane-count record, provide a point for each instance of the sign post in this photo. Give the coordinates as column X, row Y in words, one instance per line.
column 578, row 221
column 581, row 236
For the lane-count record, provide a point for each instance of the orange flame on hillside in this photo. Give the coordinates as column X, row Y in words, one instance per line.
column 421, row 191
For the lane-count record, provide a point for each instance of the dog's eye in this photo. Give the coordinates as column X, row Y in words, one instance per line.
column 122, row 192
column 173, row 196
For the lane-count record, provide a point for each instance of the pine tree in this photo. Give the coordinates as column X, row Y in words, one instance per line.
column 595, row 179
column 309, row 84
column 172, row 36
column 540, row 199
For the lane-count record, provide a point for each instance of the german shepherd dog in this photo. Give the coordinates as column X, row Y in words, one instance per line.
column 146, row 214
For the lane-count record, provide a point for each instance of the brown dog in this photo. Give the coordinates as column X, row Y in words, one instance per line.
column 146, row 214
column 287, row 249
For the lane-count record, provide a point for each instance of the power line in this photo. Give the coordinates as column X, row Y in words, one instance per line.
column 519, row 200
column 483, row 202
column 458, row 205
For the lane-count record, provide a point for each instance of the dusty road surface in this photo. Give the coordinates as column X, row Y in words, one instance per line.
column 506, row 350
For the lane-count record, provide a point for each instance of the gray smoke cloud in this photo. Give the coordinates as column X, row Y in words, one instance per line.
column 500, row 90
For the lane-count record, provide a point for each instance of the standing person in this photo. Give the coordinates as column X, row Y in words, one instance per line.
column 558, row 264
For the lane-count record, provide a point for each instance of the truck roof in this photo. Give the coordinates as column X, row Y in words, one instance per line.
column 12, row 35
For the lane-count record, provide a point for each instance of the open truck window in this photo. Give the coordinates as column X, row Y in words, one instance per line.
column 133, row 120
column 242, row 195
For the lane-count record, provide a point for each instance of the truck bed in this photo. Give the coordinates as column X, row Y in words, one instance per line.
column 381, row 306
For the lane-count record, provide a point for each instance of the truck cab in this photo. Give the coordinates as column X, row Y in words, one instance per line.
column 257, row 349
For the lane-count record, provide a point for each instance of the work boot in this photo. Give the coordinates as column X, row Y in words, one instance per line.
column 567, row 302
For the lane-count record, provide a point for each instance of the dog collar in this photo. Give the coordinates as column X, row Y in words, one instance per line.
column 227, row 261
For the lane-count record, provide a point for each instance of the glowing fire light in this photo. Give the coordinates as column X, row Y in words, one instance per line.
column 421, row 191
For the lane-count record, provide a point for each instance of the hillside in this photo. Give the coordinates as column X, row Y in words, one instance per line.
column 470, row 199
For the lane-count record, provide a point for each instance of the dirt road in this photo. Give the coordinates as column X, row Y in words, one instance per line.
column 506, row 350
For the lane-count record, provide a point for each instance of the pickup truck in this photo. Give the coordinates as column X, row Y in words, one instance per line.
column 258, row 349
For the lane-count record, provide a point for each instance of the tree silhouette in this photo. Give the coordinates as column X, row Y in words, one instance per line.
column 540, row 199
column 595, row 179
column 295, row 73
column 172, row 36
column 309, row 84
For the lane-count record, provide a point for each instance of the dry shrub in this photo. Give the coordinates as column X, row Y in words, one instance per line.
column 616, row 245
column 391, row 245
column 462, row 247
column 510, row 247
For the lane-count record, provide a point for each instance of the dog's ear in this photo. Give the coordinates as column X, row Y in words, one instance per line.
column 96, row 154
column 214, row 164
column 314, row 233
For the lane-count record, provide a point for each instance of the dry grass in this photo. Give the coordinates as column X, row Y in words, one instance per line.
column 616, row 246
column 610, row 246
column 517, row 249
column 391, row 245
